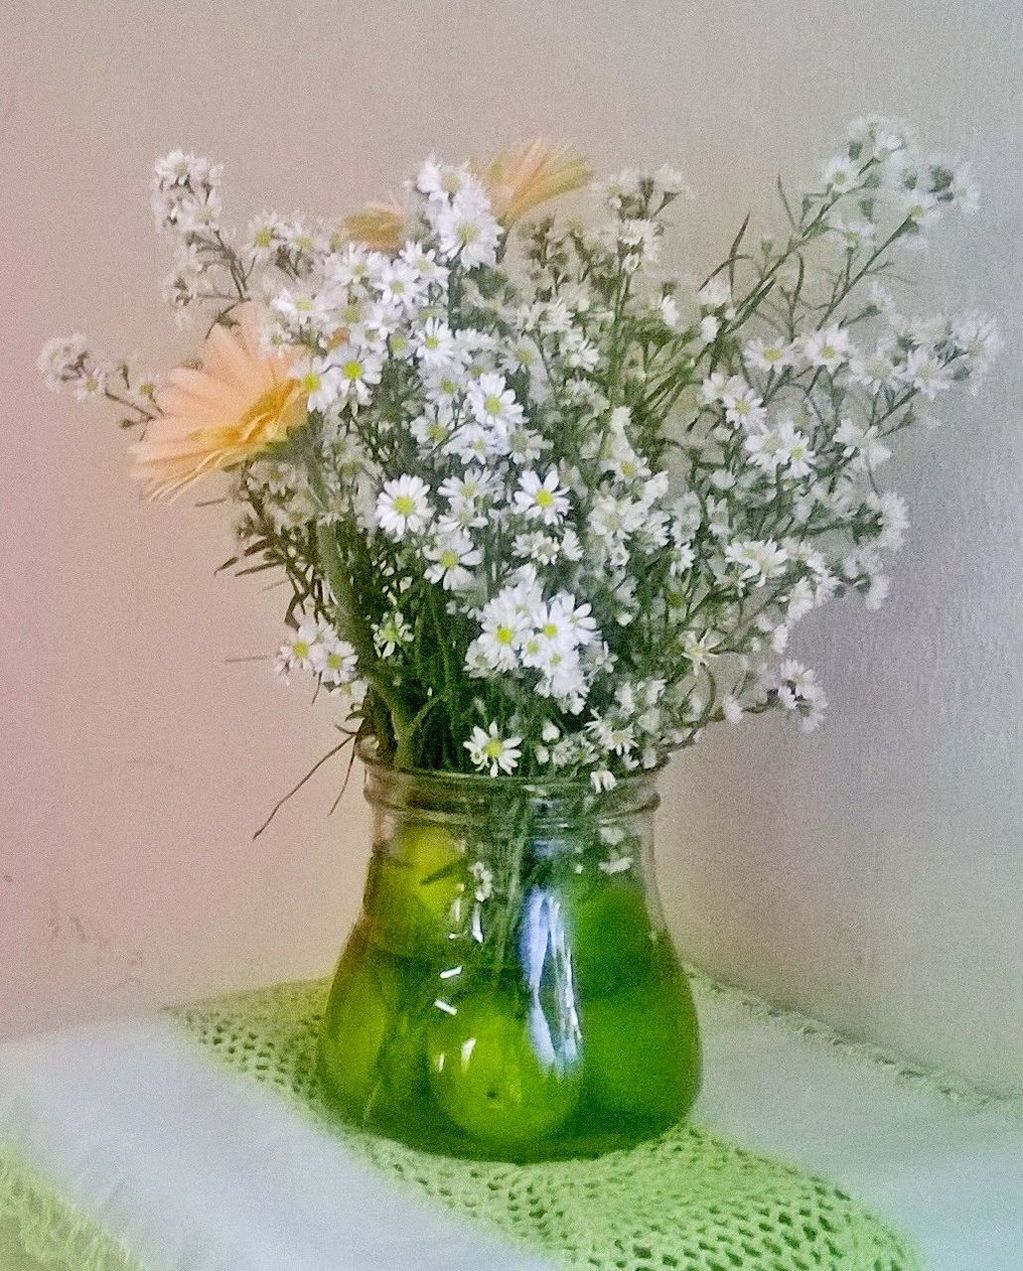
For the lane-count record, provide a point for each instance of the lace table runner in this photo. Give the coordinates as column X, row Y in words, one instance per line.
column 932, row 1155
column 690, row 1200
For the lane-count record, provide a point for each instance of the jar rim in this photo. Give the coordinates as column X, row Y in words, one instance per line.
column 365, row 749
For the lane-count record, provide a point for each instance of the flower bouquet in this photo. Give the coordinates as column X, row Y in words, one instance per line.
column 545, row 513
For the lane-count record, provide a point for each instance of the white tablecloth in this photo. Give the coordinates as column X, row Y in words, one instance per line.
column 197, row 1169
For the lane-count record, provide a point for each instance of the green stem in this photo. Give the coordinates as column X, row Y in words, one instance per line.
column 350, row 621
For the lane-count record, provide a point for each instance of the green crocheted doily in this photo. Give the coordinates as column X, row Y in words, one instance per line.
column 690, row 1200
column 41, row 1228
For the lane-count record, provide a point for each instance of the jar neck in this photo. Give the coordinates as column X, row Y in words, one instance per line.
column 549, row 803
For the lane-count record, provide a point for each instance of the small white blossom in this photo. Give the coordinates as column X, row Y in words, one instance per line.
column 403, row 506
column 301, row 650
column 483, row 879
column 489, row 750
column 467, row 231
column 757, row 560
column 927, row 374
column 452, row 558
column 546, row 501
column 828, row 349
column 768, row 355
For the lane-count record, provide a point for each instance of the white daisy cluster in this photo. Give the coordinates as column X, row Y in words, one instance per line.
column 66, row 362
column 316, row 647
column 552, row 514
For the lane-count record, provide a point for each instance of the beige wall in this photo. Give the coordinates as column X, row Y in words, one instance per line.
column 871, row 874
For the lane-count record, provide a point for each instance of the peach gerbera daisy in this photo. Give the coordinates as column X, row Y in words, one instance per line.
column 380, row 226
column 242, row 400
column 519, row 180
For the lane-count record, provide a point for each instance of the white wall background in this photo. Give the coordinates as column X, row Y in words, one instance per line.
column 871, row 874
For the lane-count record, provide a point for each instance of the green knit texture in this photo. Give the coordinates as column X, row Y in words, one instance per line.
column 688, row 1201
column 40, row 1230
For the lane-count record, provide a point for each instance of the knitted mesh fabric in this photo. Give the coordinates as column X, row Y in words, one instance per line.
column 38, row 1223
column 690, row 1200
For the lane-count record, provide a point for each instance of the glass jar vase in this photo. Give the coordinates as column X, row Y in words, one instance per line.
column 510, row 990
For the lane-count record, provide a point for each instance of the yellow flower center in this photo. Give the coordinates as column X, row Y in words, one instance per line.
column 504, row 635
column 404, row 504
column 549, row 630
column 448, row 559
column 544, row 498
column 492, row 404
column 494, row 748
column 353, row 369
column 301, row 648
column 270, row 413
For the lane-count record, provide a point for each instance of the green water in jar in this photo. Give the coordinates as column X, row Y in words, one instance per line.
column 549, row 1019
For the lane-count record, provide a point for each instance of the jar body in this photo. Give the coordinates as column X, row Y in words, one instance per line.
column 510, row 991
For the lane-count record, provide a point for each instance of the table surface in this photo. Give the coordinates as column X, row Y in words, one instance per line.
column 245, row 1183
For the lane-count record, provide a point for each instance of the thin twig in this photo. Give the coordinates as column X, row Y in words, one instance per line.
column 295, row 789
column 344, row 784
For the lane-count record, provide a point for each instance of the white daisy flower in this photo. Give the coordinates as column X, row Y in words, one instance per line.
column 441, row 181
column 391, row 634
column 493, row 403
column 894, row 517
column 919, row 207
column 301, row 650
column 450, row 559
column 764, row 446
column 743, row 404
column 767, row 355
column 359, row 370
column 400, row 285
column 321, row 382
column 489, row 750
column 403, row 507
column 829, row 348
column 876, row 370
column 467, row 231
column 335, row 660
column 91, row 383
column 60, row 360
column 840, row 175
column 546, row 501
column 926, row 373
column 797, row 454
column 434, row 344
column 503, row 627
column 863, row 444
column 758, row 559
